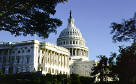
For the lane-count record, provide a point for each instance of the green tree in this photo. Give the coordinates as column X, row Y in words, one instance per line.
column 124, row 31
column 86, row 80
column 101, row 70
column 126, row 62
column 29, row 17
column 113, row 67
column 75, row 79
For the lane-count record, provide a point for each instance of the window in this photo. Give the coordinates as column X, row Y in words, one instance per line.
column 48, row 59
column 12, row 59
column 17, row 59
column 64, row 42
column 5, row 52
column 22, row 51
column 0, row 59
column 70, row 42
column 73, row 42
column 4, row 59
column 52, row 70
column 28, row 50
column 18, row 51
column 28, row 60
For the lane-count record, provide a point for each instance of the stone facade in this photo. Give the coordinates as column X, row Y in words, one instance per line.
column 30, row 56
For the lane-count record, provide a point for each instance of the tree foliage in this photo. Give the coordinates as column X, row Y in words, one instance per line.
column 105, row 70
column 29, row 17
column 101, row 69
column 119, row 68
column 36, row 78
column 126, row 62
column 124, row 31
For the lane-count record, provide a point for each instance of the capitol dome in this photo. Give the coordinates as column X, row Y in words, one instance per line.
column 71, row 31
column 71, row 38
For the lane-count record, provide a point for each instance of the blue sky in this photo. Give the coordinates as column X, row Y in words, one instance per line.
column 93, row 18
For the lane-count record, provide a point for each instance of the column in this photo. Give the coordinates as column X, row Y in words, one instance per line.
column 7, row 57
column 83, row 53
column 75, row 52
column 71, row 51
column 79, row 52
column 14, row 69
column 58, row 59
column 67, row 61
column 87, row 53
column 49, row 57
column 61, row 60
column 64, row 61
column 6, row 69
column 21, row 60
column 15, row 60
column 53, row 58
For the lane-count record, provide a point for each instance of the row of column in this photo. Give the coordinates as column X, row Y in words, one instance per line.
column 52, row 61
column 8, row 58
column 73, row 42
column 6, row 69
column 54, row 58
column 77, row 52
column 14, row 63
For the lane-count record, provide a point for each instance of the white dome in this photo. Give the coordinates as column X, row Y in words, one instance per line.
column 71, row 31
column 71, row 35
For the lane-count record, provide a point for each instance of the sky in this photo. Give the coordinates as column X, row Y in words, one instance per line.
column 93, row 18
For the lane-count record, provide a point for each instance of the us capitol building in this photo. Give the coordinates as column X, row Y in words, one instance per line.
column 70, row 55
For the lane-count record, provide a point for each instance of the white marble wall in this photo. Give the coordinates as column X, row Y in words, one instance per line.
column 83, row 68
column 33, row 56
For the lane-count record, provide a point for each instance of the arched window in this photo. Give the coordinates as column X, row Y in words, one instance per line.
column 70, row 42
column 64, row 42
column 28, row 58
column 73, row 42
column 52, row 70
column 49, row 70
column 28, row 50
column 10, row 69
column 18, row 59
column 18, row 51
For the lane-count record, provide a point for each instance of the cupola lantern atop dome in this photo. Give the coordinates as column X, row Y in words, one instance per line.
column 70, row 14
column 70, row 20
